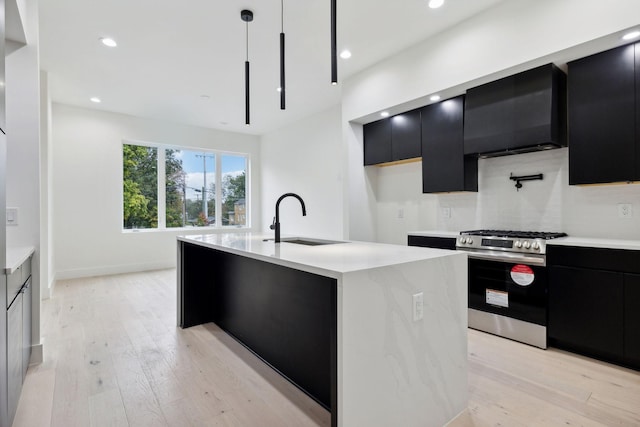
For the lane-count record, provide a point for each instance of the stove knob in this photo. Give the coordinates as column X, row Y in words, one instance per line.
column 470, row 240
column 526, row 245
column 463, row 240
column 536, row 246
column 518, row 244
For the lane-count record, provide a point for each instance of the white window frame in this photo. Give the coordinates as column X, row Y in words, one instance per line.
column 162, row 196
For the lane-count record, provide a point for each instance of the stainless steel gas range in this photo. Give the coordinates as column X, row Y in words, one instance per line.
column 508, row 283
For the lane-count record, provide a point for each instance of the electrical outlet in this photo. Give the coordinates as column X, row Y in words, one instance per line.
column 625, row 210
column 418, row 306
column 400, row 213
column 446, row 213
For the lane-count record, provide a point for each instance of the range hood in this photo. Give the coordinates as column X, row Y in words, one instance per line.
column 521, row 113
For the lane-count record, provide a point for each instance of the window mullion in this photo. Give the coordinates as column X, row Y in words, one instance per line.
column 162, row 196
column 218, row 190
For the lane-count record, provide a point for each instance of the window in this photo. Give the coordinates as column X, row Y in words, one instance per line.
column 166, row 187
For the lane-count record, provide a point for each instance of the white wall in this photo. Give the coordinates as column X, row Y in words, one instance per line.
column 305, row 158
column 87, row 188
column 513, row 36
column 23, row 153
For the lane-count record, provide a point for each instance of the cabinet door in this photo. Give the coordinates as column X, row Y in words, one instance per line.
column 586, row 311
column 377, row 142
column 26, row 326
column 632, row 320
column 601, row 109
column 405, row 136
column 14, row 356
column 444, row 166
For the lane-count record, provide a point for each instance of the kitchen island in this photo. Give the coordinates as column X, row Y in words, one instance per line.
column 343, row 321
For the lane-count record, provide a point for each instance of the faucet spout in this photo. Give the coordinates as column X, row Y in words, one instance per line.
column 276, row 224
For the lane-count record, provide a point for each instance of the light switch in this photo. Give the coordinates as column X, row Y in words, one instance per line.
column 12, row 216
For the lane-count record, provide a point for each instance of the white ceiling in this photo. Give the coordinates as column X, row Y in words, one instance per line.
column 170, row 53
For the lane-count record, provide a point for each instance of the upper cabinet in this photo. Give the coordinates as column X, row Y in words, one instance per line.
column 444, row 166
column 603, row 117
column 520, row 113
column 393, row 139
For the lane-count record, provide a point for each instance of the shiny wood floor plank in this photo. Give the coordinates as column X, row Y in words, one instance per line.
column 113, row 356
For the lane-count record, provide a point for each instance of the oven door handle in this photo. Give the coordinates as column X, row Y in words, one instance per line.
column 498, row 256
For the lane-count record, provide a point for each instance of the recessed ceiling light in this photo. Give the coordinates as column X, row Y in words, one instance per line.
column 385, row 114
column 108, row 42
column 434, row 4
column 631, row 35
column 345, row 54
column 435, row 98
column 95, row 99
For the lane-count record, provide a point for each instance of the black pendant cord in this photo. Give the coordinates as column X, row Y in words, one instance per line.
column 334, row 50
column 282, row 81
column 246, row 82
column 246, row 16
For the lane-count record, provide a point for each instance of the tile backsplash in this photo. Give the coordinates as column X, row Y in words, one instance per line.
column 550, row 204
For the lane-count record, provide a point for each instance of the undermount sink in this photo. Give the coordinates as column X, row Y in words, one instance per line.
column 308, row 241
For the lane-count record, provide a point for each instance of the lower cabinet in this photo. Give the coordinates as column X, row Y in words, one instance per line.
column 585, row 311
column 14, row 355
column 594, row 303
column 18, row 340
column 632, row 319
column 432, row 242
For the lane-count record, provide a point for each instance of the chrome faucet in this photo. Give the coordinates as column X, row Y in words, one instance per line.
column 276, row 221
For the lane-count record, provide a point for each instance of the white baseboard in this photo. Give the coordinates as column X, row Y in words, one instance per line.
column 112, row 269
column 37, row 354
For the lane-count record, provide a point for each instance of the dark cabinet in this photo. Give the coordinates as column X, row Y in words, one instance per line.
column 519, row 113
column 444, row 166
column 603, row 140
column 632, row 319
column 585, row 311
column 594, row 302
column 377, row 142
column 432, row 242
column 393, row 139
column 405, row 136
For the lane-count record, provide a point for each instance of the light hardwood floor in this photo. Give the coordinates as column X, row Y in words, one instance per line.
column 114, row 357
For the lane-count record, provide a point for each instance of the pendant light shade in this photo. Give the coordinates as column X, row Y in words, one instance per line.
column 246, row 16
column 334, row 50
column 282, row 83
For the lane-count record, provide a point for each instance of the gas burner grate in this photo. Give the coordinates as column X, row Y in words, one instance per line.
column 545, row 235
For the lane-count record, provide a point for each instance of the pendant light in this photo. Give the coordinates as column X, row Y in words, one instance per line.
column 334, row 50
column 246, row 16
column 282, row 90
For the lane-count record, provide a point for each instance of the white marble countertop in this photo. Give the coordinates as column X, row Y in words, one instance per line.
column 435, row 233
column 593, row 242
column 16, row 256
column 328, row 260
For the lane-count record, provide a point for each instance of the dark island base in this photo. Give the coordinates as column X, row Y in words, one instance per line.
column 286, row 317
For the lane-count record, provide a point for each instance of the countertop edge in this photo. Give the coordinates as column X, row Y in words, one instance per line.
column 316, row 269
column 589, row 242
column 435, row 233
column 16, row 256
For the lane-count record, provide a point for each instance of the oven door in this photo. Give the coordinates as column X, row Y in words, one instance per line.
column 509, row 289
